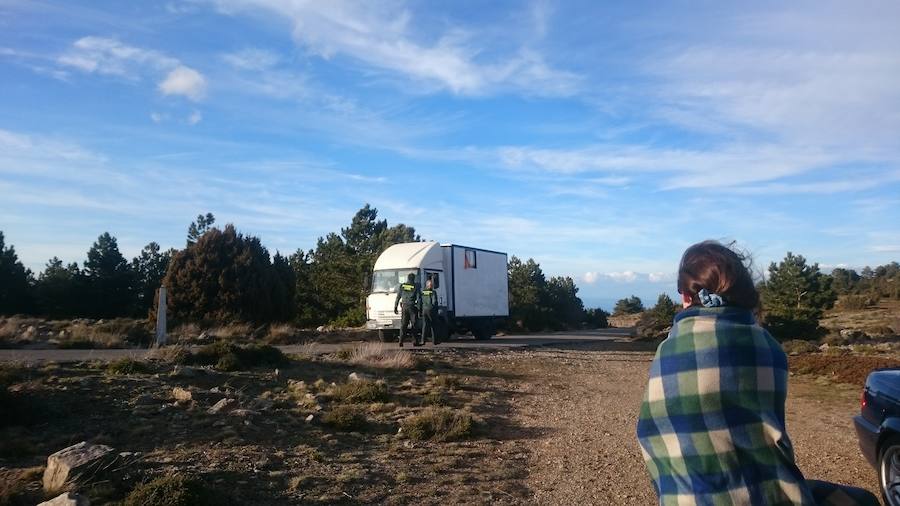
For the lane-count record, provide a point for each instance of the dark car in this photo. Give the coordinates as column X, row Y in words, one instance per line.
column 878, row 428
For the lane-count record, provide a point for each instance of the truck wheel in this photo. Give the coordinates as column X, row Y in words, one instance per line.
column 482, row 331
column 889, row 471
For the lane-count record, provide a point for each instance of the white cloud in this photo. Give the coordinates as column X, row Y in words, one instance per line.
column 194, row 118
column 627, row 277
column 886, row 248
column 106, row 56
column 184, row 81
column 110, row 57
column 157, row 117
column 589, row 277
column 381, row 36
column 252, row 59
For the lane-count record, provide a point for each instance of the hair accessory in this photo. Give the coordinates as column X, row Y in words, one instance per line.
column 710, row 299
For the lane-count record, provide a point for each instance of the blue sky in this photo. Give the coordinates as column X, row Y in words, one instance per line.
column 600, row 138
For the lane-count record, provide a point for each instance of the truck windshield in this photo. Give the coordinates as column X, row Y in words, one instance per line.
column 388, row 280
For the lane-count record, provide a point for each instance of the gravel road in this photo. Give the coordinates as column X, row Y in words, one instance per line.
column 582, row 405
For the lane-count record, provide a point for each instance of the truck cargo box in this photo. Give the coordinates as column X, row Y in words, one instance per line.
column 478, row 281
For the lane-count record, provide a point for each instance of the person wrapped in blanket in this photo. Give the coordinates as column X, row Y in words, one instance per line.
column 711, row 426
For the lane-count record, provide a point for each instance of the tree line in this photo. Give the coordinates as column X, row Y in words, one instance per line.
column 222, row 275
column 794, row 296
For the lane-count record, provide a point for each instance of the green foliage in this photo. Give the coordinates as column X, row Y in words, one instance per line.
column 654, row 322
column 882, row 281
column 16, row 294
column 332, row 280
column 361, row 391
column 226, row 276
column 59, row 290
column 794, row 298
column 345, row 417
column 150, row 269
column 127, row 366
column 796, row 346
column 628, row 305
column 174, row 490
column 438, row 424
column 200, row 226
column 537, row 304
column 596, row 318
column 109, row 280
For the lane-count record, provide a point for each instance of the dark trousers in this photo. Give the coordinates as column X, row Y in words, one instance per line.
column 428, row 327
column 407, row 316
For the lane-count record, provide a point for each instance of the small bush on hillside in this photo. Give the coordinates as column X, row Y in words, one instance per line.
column 798, row 346
column 15, row 486
column 856, row 302
column 438, row 424
column 174, row 490
column 364, row 391
column 381, row 356
column 345, row 417
column 231, row 357
column 628, row 305
column 126, row 366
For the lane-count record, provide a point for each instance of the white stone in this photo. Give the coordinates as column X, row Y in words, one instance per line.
column 66, row 464
column 67, row 499
column 182, row 394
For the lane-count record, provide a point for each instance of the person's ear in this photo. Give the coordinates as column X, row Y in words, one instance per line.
column 686, row 300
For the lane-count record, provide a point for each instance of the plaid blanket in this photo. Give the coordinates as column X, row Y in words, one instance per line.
column 711, row 426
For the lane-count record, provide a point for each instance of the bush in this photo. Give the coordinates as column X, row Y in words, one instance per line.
column 797, row 346
column 628, row 305
column 655, row 322
column 345, row 417
column 856, row 302
column 596, row 318
column 438, row 424
column 377, row 355
column 231, row 357
column 15, row 486
column 127, row 366
column 173, row 490
column 363, row 391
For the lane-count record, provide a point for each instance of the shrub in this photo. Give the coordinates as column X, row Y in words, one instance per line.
column 794, row 298
column 856, row 302
column 363, row 391
column 345, row 417
column 798, row 346
column 174, row 354
column 231, row 357
column 282, row 333
column 173, row 490
column 132, row 331
column 126, row 366
column 628, row 305
column 448, row 382
column 379, row 355
column 434, row 398
column 15, row 486
column 232, row 331
column 438, row 424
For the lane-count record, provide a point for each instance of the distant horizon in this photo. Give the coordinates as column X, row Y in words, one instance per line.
column 599, row 139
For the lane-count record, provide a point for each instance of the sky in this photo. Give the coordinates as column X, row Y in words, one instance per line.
column 599, row 138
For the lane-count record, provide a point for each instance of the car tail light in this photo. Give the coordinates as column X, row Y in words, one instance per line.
column 862, row 400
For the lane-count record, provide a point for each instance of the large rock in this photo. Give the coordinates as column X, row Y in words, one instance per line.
column 69, row 463
column 67, row 499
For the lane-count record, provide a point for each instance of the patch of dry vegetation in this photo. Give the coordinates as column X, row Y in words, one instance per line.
column 438, row 424
column 231, row 331
column 362, row 391
column 127, row 366
column 840, row 367
column 174, row 490
column 346, row 417
column 377, row 355
column 231, row 357
column 20, row 486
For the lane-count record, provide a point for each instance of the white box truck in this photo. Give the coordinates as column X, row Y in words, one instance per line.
column 471, row 286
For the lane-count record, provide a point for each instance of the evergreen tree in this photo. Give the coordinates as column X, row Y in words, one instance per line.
column 199, row 227
column 565, row 308
column 110, row 290
column 16, row 282
column 60, row 290
column 306, row 307
column 226, row 276
column 150, row 269
column 526, row 286
column 628, row 305
column 655, row 321
column 794, row 297
column 596, row 318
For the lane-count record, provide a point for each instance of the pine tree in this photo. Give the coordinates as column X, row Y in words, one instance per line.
column 61, row 290
column 628, row 305
column 16, row 282
column 199, row 227
column 150, row 269
column 110, row 290
column 794, row 297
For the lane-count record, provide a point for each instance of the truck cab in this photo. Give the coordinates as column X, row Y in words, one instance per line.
column 425, row 260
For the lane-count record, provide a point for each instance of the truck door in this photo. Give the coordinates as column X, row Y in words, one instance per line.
column 437, row 283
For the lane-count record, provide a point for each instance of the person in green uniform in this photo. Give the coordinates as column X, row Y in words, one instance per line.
column 429, row 312
column 408, row 298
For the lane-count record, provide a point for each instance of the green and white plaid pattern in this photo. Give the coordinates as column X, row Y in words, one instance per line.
column 712, row 427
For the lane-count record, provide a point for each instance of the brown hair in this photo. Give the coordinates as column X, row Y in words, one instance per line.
column 719, row 269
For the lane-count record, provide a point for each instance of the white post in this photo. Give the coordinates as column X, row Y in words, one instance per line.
column 161, row 318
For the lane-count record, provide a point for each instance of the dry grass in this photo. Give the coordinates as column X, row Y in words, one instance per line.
column 19, row 486
column 345, row 417
column 438, row 424
column 187, row 331
column 174, row 354
column 378, row 355
column 281, row 333
column 232, row 331
column 81, row 335
column 360, row 391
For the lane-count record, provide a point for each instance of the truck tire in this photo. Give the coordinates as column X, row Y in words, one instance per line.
column 483, row 331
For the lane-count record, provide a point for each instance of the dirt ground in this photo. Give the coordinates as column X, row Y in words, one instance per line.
column 582, row 405
column 553, row 426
